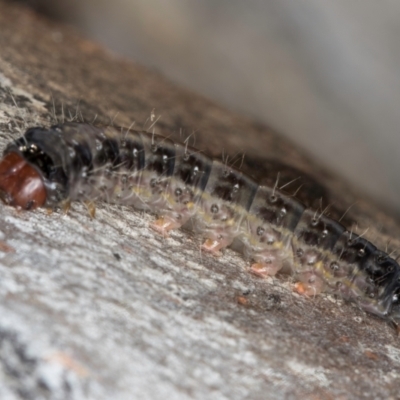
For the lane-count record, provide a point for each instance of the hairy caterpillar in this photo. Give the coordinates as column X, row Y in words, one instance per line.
column 78, row 161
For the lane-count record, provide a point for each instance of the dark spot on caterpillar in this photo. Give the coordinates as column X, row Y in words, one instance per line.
column 299, row 252
column 334, row 266
column 214, row 209
column 108, row 152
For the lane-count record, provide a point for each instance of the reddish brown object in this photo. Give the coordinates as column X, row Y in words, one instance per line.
column 20, row 184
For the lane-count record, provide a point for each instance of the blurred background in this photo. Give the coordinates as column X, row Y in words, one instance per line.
column 326, row 74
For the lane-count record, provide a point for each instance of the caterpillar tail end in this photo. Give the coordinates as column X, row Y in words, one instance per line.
column 20, row 184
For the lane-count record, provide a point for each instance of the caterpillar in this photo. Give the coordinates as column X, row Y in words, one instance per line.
column 77, row 161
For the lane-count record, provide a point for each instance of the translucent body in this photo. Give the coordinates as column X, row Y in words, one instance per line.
column 80, row 162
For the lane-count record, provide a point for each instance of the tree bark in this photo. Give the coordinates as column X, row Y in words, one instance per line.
column 105, row 308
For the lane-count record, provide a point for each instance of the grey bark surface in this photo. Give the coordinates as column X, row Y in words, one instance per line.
column 105, row 308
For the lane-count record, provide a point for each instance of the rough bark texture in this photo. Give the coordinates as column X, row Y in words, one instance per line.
column 106, row 308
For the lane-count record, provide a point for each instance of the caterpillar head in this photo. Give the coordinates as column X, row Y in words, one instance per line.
column 21, row 185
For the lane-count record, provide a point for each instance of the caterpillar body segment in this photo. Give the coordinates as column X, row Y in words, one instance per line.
column 81, row 162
